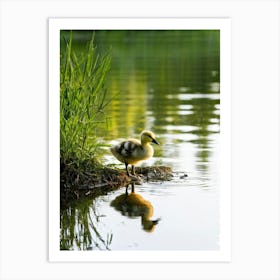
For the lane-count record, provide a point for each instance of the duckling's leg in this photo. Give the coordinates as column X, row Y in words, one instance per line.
column 126, row 164
column 126, row 189
column 132, row 169
column 132, row 187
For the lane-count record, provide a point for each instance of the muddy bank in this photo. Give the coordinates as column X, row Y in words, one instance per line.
column 75, row 184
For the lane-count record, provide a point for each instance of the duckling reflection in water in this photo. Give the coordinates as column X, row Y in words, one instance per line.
column 134, row 205
column 133, row 151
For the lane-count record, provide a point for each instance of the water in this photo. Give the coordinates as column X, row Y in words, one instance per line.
column 167, row 82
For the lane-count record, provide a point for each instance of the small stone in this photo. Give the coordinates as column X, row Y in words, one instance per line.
column 184, row 176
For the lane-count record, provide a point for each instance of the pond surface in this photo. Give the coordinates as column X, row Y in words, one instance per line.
column 166, row 82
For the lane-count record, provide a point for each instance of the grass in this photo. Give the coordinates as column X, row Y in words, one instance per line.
column 82, row 103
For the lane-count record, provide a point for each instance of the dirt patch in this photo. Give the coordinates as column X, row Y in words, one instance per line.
column 155, row 173
column 92, row 182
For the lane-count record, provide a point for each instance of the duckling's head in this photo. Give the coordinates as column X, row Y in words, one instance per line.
column 148, row 137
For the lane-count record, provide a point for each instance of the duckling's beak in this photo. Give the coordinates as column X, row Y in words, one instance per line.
column 155, row 141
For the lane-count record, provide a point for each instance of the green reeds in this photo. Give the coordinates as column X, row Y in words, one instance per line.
column 82, row 103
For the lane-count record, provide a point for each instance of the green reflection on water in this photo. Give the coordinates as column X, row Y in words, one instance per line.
column 79, row 227
column 150, row 66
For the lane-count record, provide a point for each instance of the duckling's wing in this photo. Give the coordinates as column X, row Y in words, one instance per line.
column 126, row 148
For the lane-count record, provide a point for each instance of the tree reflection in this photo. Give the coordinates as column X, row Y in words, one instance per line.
column 134, row 205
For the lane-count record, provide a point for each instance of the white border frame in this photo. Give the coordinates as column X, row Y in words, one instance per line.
column 222, row 24
column 255, row 178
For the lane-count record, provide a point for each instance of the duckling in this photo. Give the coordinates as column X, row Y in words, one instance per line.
column 132, row 151
column 134, row 205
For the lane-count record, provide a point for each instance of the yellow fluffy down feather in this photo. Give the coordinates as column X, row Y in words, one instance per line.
column 132, row 151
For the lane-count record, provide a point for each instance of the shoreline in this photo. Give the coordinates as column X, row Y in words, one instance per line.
column 100, row 181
